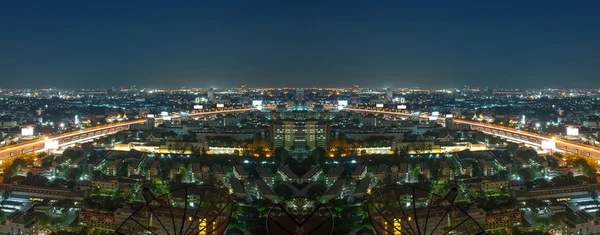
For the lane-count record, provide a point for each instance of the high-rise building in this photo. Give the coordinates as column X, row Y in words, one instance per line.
column 231, row 121
column 370, row 121
column 300, row 133
column 151, row 123
column 210, row 94
column 300, row 94
column 449, row 123
column 389, row 95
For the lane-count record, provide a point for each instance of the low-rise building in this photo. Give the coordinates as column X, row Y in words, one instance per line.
column 19, row 222
column 77, row 162
column 265, row 174
column 581, row 223
column 174, row 170
column 334, row 174
column 218, row 172
column 381, row 172
column 288, row 175
column 40, row 193
column 475, row 146
column 502, row 219
column 516, row 185
column 425, row 171
column 265, row 191
column 445, row 168
column 196, row 172
column 106, row 186
column 335, row 191
column 563, row 193
column 98, row 219
column 494, row 185
column 83, row 185
column 359, row 172
column 311, row 175
column 35, row 170
column 362, row 188
column 485, row 166
column 403, row 171
column 239, row 172
column 237, row 188
column 154, row 170
column 522, row 162
column 112, row 169
column 565, row 170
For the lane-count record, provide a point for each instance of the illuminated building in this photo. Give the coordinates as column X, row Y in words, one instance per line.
column 265, row 191
column 501, row 219
column 218, row 172
column 99, row 219
column 210, row 94
column 175, row 214
column 265, row 174
column 359, row 172
column 112, row 169
column 300, row 134
column 362, row 188
column 311, row 175
column 239, row 172
column 106, row 186
column 335, row 190
column 334, row 174
column 381, row 172
column 300, row 95
column 237, row 188
column 288, row 175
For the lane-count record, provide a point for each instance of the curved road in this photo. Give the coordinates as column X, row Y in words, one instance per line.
column 39, row 143
column 589, row 150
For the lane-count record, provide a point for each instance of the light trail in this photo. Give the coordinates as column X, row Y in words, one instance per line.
column 559, row 142
column 40, row 142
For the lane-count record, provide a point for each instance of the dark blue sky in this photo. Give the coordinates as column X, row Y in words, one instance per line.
column 307, row 43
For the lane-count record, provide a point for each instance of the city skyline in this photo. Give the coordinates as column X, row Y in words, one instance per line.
column 307, row 117
column 508, row 44
column 507, row 161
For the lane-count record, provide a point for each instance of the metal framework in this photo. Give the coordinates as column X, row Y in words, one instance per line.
column 300, row 216
column 403, row 209
column 199, row 209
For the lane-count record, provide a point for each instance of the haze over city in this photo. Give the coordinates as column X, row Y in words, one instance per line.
column 307, row 117
column 507, row 44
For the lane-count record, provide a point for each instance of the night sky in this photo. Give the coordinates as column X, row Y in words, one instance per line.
column 74, row 44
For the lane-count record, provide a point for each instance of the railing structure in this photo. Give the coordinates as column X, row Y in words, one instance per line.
column 203, row 209
column 89, row 134
column 199, row 209
column 402, row 209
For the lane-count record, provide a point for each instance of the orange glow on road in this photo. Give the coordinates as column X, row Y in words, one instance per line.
column 559, row 142
column 29, row 144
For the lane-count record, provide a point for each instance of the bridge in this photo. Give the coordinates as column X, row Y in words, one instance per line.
column 89, row 134
column 519, row 136
column 533, row 138
column 392, row 112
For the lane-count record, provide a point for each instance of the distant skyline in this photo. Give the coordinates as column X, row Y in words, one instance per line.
column 75, row 44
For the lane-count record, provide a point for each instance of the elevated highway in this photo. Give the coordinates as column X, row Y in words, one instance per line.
column 511, row 134
column 529, row 137
column 91, row 133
